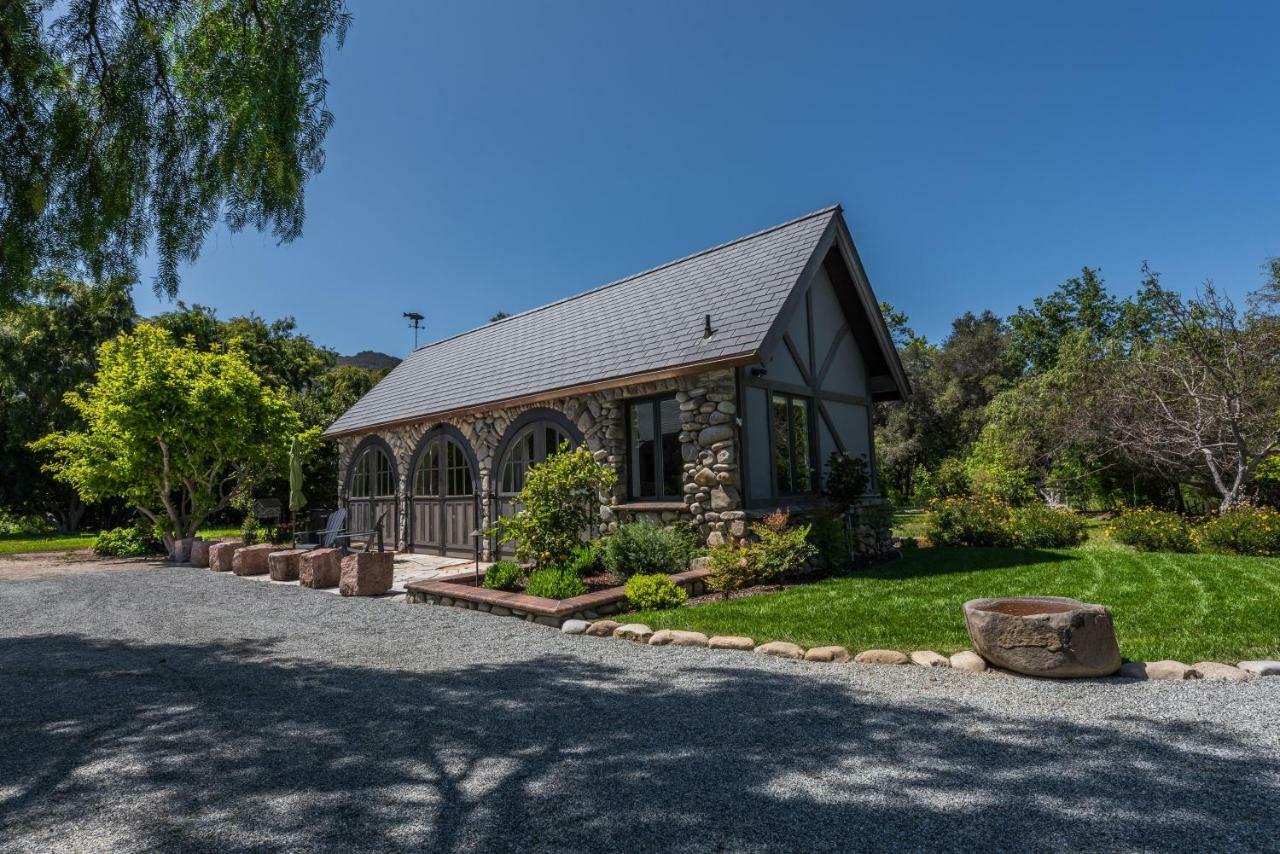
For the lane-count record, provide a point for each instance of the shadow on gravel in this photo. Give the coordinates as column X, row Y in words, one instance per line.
column 221, row 747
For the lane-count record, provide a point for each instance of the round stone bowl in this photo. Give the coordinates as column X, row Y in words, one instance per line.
column 1044, row 635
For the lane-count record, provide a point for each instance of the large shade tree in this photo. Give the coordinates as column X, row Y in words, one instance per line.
column 172, row 430
column 130, row 122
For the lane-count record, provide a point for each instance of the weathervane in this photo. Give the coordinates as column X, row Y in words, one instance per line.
column 415, row 323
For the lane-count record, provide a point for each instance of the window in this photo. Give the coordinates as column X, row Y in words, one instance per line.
column 656, row 469
column 524, row 452
column 458, row 469
column 792, row 447
column 426, row 482
column 373, row 475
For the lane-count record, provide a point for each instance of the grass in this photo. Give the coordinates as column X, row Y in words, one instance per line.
column 11, row 544
column 1182, row 606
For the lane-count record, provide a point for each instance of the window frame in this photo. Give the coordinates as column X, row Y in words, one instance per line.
column 658, row 456
column 792, row 399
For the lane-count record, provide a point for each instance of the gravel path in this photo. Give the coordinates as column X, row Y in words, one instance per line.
column 177, row 709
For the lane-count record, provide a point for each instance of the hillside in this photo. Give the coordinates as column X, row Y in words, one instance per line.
column 370, row 359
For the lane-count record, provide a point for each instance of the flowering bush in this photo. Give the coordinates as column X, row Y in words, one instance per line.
column 970, row 522
column 779, row 549
column 1242, row 531
column 1040, row 527
column 1151, row 530
column 731, row 568
column 655, row 592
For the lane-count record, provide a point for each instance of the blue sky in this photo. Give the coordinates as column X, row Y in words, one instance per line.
column 493, row 156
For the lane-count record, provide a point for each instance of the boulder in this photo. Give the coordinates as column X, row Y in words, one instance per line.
column 782, row 649
column 1165, row 669
column 638, row 632
column 968, row 662
column 835, row 654
column 602, row 628
column 573, row 627
column 676, row 637
column 1044, row 636
column 881, row 656
column 200, row 552
column 283, row 566
column 1219, row 671
column 320, row 568
column 221, row 555
column 708, row 436
column 179, row 549
column 252, row 560
column 731, row 642
column 927, row 658
column 1260, row 668
column 366, row 574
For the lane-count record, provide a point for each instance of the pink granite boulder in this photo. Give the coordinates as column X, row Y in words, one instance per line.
column 252, row 560
column 200, row 552
column 320, row 568
column 283, row 566
column 222, row 554
column 366, row 574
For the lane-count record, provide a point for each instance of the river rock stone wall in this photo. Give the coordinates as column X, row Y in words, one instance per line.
column 710, row 443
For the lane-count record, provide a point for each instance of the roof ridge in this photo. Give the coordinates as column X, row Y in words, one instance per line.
column 836, row 208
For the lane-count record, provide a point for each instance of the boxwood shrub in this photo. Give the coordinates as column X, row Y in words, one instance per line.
column 655, row 592
column 639, row 548
column 1242, row 531
column 504, row 575
column 1151, row 530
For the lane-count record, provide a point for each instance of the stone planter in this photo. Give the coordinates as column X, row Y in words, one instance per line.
column 1044, row 636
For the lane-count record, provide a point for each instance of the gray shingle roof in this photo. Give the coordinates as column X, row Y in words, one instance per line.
column 647, row 322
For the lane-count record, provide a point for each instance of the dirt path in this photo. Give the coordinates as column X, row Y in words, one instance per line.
column 20, row 567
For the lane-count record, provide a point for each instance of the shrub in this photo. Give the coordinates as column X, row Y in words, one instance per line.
column 28, row 525
column 503, row 575
column 779, row 548
column 587, row 559
column 1151, row 530
column 970, row 522
column 640, row 548
column 554, row 583
column 655, row 592
column 133, row 541
column 831, row 542
column 1242, row 531
column 1040, row 527
column 559, row 501
column 847, row 479
column 731, row 569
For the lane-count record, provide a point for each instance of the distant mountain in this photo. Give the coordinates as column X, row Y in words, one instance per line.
column 370, row 359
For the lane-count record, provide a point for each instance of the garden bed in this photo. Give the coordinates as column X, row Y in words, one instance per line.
column 461, row 591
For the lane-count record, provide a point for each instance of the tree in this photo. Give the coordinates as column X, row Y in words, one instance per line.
column 127, row 122
column 49, row 347
column 1203, row 403
column 173, row 431
column 559, row 501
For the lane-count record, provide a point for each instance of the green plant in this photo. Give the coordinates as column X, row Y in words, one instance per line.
column 848, row 478
column 731, row 569
column 29, row 524
column 1241, row 531
column 587, row 559
column 557, row 504
column 133, row 541
column 779, row 549
column 831, row 541
column 1151, row 530
column 251, row 532
column 554, row 583
column 969, row 522
column 655, row 592
column 1040, row 527
column 641, row 548
column 504, row 575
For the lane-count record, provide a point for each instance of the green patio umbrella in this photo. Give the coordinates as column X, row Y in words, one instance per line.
column 296, row 499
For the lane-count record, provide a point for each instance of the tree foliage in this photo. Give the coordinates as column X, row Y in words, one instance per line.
column 557, row 504
column 131, row 122
column 49, row 347
column 172, row 430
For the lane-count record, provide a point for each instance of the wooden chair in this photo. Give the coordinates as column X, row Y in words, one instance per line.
column 369, row 536
column 327, row 538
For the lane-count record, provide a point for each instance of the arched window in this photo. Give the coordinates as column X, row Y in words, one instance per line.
column 374, row 476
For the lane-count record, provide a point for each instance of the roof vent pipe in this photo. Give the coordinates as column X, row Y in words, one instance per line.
column 707, row 331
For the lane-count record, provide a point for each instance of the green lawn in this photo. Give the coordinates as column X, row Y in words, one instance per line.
column 1187, row 607
column 11, row 544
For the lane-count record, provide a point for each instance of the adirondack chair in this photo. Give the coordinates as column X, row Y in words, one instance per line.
column 327, row 538
column 369, row 536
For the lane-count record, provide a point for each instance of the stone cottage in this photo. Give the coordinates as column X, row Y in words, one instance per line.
column 717, row 385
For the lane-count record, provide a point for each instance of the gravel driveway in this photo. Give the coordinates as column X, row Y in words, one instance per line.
column 178, row 709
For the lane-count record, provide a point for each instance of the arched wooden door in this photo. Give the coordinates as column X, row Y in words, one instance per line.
column 442, row 501
column 372, row 492
column 529, row 444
